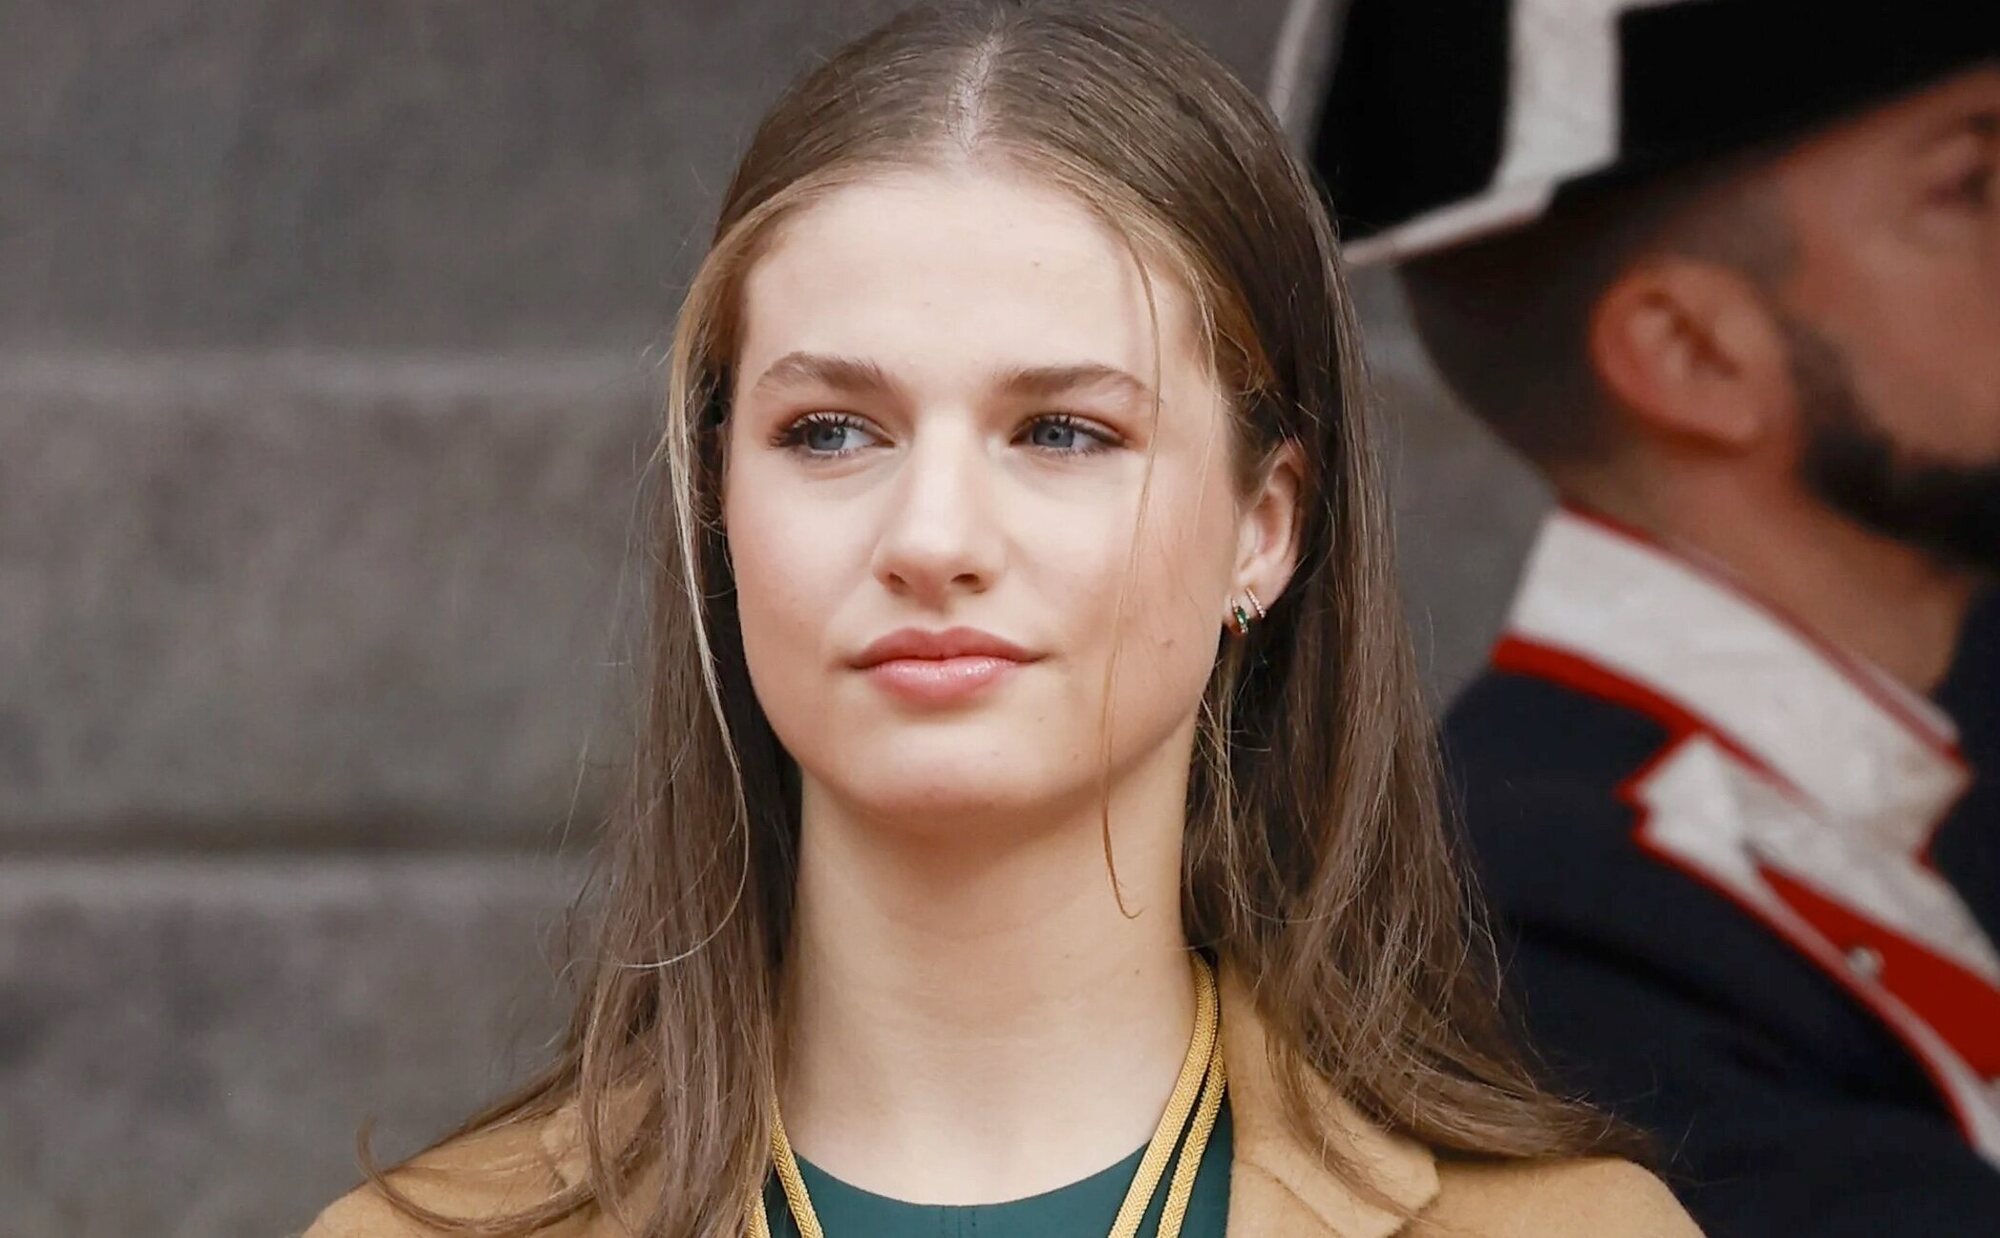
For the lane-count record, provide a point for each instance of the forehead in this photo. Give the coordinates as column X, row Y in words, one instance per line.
column 937, row 271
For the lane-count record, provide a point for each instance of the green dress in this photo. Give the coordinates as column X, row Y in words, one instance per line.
column 1083, row 1209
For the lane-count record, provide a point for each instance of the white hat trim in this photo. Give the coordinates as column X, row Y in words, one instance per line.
column 1562, row 122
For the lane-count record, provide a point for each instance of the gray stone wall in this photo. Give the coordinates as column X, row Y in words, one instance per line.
column 325, row 348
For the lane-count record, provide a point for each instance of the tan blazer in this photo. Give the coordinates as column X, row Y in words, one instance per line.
column 1277, row 1186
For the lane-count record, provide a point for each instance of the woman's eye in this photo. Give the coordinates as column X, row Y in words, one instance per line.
column 1065, row 435
column 826, row 434
column 821, row 436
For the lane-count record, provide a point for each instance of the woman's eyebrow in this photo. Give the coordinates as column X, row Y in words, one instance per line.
column 860, row 376
column 849, row 374
column 1046, row 381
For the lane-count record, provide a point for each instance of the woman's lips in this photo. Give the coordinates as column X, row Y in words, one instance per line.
column 924, row 667
column 940, row 681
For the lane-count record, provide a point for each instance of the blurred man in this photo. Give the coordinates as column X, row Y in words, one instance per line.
column 1728, row 273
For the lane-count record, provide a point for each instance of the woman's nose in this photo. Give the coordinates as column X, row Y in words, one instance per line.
column 941, row 533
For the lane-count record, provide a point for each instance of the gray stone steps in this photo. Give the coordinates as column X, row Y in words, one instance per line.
column 311, row 597
column 421, row 174
column 188, row 1047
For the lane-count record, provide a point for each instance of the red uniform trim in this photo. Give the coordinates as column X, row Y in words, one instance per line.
column 1517, row 655
column 1525, row 657
column 1960, row 1005
column 1850, row 668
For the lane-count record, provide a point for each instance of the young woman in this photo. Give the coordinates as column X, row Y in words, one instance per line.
column 1035, row 830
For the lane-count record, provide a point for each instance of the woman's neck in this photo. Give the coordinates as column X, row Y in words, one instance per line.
column 977, row 1022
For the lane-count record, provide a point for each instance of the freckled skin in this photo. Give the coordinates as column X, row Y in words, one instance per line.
column 945, row 515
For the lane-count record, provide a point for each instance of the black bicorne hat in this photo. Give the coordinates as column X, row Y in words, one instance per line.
column 1447, row 120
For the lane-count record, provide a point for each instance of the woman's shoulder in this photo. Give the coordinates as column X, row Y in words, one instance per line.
column 1593, row 1198
column 475, row 1177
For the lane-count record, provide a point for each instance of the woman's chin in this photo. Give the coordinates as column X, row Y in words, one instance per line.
column 947, row 799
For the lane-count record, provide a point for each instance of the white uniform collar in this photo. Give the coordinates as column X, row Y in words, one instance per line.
column 1840, row 731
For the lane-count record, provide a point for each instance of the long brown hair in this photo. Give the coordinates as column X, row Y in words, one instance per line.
column 1316, row 861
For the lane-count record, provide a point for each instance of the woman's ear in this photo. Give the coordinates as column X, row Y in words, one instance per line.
column 1267, row 541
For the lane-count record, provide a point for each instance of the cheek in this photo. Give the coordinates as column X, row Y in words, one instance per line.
column 1933, row 381
column 785, row 580
column 1924, row 352
column 1176, row 598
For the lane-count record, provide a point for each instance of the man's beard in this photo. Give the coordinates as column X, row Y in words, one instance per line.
column 1950, row 511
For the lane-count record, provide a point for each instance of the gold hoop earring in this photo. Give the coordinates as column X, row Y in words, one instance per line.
column 1241, row 618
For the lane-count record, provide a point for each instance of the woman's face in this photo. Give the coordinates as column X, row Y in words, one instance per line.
column 940, row 430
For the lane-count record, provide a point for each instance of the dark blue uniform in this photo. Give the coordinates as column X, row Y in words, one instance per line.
column 1771, row 950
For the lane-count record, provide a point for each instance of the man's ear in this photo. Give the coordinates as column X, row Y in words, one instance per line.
column 1267, row 542
column 1689, row 349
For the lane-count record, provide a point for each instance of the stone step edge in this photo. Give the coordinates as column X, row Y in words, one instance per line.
column 135, row 376
column 282, row 882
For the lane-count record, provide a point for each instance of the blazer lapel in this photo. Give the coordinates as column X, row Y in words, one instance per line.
column 1280, row 1185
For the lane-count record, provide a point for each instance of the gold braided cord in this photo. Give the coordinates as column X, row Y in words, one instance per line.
column 1201, row 1048
column 794, row 1183
column 1201, row 1080
column 1181, row 1191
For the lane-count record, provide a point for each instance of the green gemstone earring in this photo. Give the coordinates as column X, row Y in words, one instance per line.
column 1244, row 617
